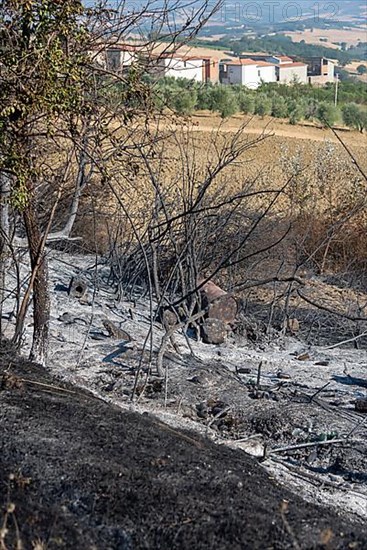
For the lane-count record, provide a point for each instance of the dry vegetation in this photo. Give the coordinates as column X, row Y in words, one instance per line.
column 324, row 198
column 287, row 209
column 350, row 36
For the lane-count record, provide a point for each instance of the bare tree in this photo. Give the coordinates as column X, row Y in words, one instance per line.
column 60, row 99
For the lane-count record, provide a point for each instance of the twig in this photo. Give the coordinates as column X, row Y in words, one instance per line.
column 347, row 341
column 259, row 374
column 49, row 386
column 346, row 148
column 319, row 391
column 218, row 415
column 311, row 444
column 329, row 310
column 187, row 438
column 357, row 426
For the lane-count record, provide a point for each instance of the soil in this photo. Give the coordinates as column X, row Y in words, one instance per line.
column 205, row 121
column 76, row 472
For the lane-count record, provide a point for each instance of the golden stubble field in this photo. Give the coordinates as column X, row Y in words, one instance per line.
column 351, row 36
column 314, row 155
column 323, row 181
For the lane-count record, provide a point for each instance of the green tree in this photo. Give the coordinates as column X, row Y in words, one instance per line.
column 63, row 116
column 361, row 69
column 354, row 116
column 296, row 111
column 41, row 73
column 224, row 101
column 205, row 97
column 246, row 103
column 279, row 108
column 311, row 109
column 185, row 101
column 327, row 113
column 262, row 105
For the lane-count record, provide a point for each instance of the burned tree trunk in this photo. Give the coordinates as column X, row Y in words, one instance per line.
column 4, row 235
column 41, row 297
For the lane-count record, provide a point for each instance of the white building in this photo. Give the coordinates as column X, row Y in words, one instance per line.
column 114, row 57
column 292, row 72
column 180, row 67
column 266, row 71
column 241, row 71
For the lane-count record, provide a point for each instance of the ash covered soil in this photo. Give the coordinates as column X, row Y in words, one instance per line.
column 86, row 468
column 76, row 472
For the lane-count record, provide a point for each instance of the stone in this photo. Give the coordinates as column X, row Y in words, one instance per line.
column 361, row 404
column 169, row 318
column 292, row 325
column 66, row 318
column 251, row 446
column 243, row 370
column 283, row 375
column 303, row 357
column 218, row 303
column 77, row 288
column 116, row 332
column 224, row 308
column 214, row 331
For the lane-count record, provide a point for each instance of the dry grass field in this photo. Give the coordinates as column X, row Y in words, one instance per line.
column 323, row 182
column 352, row 69
column 350, row 36
column 206, row 133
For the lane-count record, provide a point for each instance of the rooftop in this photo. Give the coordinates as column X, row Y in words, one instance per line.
column 283, row 58
column 265, row 64
column 290, row 65
column 242, row 62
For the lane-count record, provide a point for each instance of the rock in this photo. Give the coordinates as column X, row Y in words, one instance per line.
column 202, row 410
column 169, row 318
column 361, row 404
column 214, row 331
column 218, row 304
column 223, row 308
column 195, row 380
column 292, row 325
column 252, row 446
column 66, row 318
column 283, row 375
column 77, row 288
column 116, row 332
column 303, row 357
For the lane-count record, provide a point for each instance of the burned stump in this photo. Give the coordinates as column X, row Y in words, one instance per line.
column 77, row 288
column 361, row 404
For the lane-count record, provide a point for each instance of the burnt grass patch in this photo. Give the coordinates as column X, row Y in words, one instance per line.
column 76, row 472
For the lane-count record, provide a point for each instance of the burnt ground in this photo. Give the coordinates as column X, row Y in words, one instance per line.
column 78, row 473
